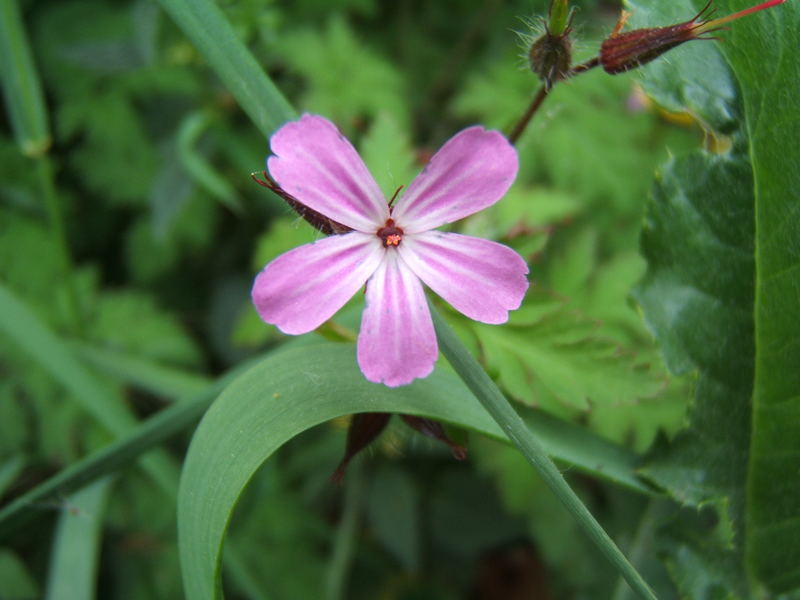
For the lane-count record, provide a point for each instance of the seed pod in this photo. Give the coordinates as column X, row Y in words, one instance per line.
column 625, row 51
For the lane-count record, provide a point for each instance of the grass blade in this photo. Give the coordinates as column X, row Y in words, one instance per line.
column 205, row 24
column 23, row 92
column 73, row 565
column 274, row 401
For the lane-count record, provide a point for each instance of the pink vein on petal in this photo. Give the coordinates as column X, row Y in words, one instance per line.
column 317, row 165
column 473, row 170
column 397, row 343
column 303, row 288
column 479, row 278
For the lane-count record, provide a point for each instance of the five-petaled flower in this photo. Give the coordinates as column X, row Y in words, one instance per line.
column 391, row 248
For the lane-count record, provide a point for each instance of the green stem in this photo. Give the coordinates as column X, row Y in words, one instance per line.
column 506, row 417
column 44, row 169
column 344, row 544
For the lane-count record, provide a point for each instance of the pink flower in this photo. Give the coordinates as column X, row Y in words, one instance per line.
column 390, row 248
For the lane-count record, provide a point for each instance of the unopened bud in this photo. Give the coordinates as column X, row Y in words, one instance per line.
column 625, row 51
column 550, row 55
column 559, row 17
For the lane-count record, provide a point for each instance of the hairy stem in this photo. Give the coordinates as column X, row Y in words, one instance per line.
column 540, row 97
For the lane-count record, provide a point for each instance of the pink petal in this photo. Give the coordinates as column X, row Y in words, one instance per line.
column 318, row 166
column 479, row 278
column 473, row 170
column 300, row 290
column 396, row 343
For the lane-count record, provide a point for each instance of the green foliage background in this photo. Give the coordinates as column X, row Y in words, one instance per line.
column 143, row 148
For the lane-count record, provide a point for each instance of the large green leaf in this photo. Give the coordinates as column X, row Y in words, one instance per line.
column 296, row 389
column 763, row 54
column 724, row 282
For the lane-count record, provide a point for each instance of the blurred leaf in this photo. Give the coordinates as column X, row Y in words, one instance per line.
column 21, row 86
column 116, row 155
column 15, row 581
column 90, row 393
column 156, row 378
column 157, row 335
column 109, row 459
column 197, row 166
column 9, row 469
column 205, row 24
column 569, row 270
column 387, row 152
column 274, row 396
column 152, row 256
column 460, row 499
column 284, row 234
column 335, row 56
column 76, row 548
column 170, row 189
column 393, row 511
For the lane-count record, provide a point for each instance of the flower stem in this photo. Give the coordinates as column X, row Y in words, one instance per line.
column 507, row 418
column 540, row 96
column 586, row 66
column 520, row 127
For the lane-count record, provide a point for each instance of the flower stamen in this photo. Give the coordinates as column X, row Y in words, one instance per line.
column 390, row 234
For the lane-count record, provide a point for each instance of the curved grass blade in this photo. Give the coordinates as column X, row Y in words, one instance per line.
column 296, row 389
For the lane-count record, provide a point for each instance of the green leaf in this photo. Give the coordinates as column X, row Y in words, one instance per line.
column 277, row 397
column 94, row 396
column 197, row 166
column 387, row 152
column 15, row 580
column 113, row 457
column 158, row 335
column 762, row 52
column 205, row 24
column 21, row 87
column 329, row 58
column 722, row 286
column 157, row 379
column 76, row 549
column 393, row 511
column 551, row 356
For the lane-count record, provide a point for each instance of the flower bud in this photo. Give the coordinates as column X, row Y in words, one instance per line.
column 625, row 51
column 559, row 17
column 550, row 55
